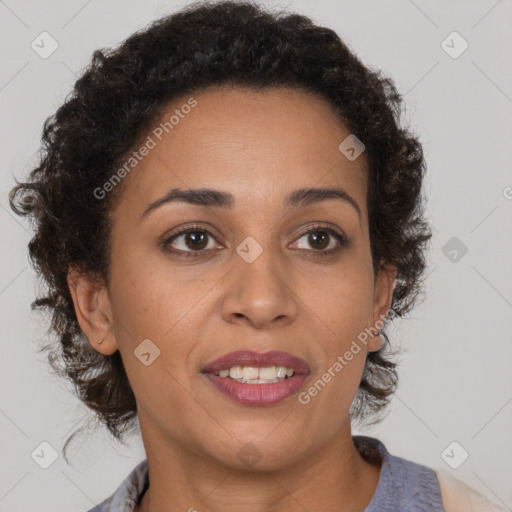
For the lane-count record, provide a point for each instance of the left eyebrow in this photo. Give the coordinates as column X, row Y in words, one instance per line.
column 217, row 198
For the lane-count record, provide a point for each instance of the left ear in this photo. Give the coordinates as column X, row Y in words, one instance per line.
column 384, row 286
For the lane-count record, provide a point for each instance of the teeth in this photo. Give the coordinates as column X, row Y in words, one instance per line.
column 249, row 373
column 236, row 372
column 269, row 372
column 257, row 375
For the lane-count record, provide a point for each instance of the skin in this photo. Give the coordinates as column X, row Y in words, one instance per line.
column 194, row 310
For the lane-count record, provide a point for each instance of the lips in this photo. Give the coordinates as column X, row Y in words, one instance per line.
column 258, row 360
column 257, row 394
column 261, row 394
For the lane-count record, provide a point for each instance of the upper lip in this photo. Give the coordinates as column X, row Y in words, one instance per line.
column 258, row 360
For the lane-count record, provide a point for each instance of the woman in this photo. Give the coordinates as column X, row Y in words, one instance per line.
column 228, row 216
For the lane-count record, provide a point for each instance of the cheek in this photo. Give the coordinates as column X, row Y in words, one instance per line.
column 346, row 307
column 155, row 335
column 328, row 397
column 152, row 301
column 148, row 298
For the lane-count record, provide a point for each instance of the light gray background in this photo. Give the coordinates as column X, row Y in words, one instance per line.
column 456, row 382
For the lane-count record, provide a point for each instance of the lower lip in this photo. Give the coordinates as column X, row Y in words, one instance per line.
column 257, row 394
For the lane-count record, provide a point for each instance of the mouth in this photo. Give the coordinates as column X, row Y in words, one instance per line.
column 257, row 379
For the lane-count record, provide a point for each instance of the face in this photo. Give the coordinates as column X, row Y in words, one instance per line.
column 255, row 272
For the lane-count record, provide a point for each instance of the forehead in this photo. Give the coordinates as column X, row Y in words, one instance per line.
column 258, row 144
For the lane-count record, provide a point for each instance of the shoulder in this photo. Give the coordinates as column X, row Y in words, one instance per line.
column 459, row 497
column 404, row 484
column 126, row 496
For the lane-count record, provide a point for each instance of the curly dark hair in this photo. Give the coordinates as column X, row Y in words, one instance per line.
column 124, row 90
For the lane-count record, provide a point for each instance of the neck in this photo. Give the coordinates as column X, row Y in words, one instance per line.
column 182, row 480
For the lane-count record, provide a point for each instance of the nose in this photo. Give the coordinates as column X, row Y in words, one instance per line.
column 260, row 293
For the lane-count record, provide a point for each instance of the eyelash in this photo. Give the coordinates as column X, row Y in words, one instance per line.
column 342, row 241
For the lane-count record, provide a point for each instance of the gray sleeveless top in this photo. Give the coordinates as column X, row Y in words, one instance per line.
column 404, row 486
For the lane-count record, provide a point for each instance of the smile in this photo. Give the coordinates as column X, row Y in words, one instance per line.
column 257, row 379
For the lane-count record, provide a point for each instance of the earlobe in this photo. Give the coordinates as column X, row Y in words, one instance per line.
column 374, row 342
column 92, row 309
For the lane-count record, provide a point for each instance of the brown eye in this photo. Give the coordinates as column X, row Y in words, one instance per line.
column 322, row 240
column 318, row 239
column 196, row 240
column 191, row 241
